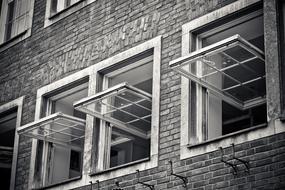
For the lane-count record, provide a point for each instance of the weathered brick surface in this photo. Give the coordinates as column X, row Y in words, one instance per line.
column 105, row 28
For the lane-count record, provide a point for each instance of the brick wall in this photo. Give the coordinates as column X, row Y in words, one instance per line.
column 266, row 157
column 105, row 28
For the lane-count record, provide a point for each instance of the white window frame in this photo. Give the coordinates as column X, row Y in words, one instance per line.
column 20, row 36
column 53, row 18
column 92, row 72
column 187, row 148
column 58, row 85
column 154, row 44
column 18, row 104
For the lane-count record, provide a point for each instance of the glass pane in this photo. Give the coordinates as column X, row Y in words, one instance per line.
column 250, row 29
column 238, row 53
column 9, row 22
column 126, row 148
column 64, row 101
column 128, row 107
column 139, row 77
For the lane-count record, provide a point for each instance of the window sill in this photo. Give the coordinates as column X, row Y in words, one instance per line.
column 52, row 16
column 59, row 183
column 121, row 166
column 13, row 38
column 226, row 136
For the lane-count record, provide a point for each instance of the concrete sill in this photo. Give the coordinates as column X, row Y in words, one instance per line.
column 226, row 136
column 59, row 183
column 13, row 38
column 120, row 166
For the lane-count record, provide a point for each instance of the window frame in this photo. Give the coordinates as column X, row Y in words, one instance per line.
column 41, row 103
column 18, row 105
column 51, row 18
column 5, row 44
column 125, row 169
column 188, row 147
column 89, row 165
column 281, row 15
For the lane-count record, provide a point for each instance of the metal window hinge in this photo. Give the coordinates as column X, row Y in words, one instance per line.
column 234, row 166
column 184, row 179
column 151, row 187
column 244, row 162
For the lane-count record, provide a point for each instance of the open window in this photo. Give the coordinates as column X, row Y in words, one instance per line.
column 7, row 138
column 10, row 119
column 61, row 132
column 123, row 108
column 227, row 70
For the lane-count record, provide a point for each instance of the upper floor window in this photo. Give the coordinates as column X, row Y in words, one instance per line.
column 227, row 70
column 59, row 5
column 15, row 20
column 59, row 9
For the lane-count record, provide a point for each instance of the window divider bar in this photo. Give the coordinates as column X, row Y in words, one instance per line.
column 232, row 66
column 237, row 81
column 124, row 112
column 55, row 141
column 116, row 123
column 231, row 100
column 244, row 83
column 242, row 63
column 69, row 126
column 60, row 132
column 136, row 102
column 127, row 105
column 138, row 119
column 79, row 137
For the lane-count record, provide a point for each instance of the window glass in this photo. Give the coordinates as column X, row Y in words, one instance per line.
column 15, row 19
column 282, row 49
column 59, row 5
column 7, row 137
column 126, row 147
column 238, row 76
column 66, row 161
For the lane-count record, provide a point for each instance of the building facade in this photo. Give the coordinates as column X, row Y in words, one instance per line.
column 142, row 94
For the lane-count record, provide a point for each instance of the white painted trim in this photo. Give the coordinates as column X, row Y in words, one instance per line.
column 17, row 103
column 273, row 127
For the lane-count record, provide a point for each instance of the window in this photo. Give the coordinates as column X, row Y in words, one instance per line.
column 282, row 49
column 15, row 18
column 228, row 74
column 59, row 9
column 59, row 5
column 61, row 131
column 10, row 117
column 123, row 135
column 124, row 105
column 7, row 135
